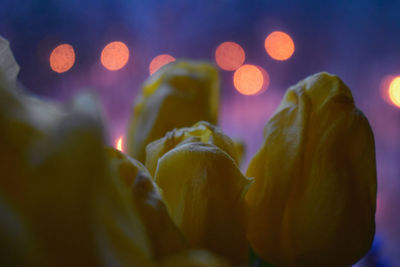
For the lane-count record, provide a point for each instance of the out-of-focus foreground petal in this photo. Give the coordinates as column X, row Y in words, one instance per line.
column 313, row 200
column 17, row 246
column 194, row 258
column 203, row 189
column 164, row 235
column 178, row 95
column 8, row 66
column 55, row 173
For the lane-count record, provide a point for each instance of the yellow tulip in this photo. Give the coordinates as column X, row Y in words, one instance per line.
column 55, row 172
column 177, row 95
column 203, row 188
column 313, row 199
column 165, row 237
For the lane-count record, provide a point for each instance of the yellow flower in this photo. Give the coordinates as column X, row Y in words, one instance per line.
column 178, row 95
column 313, row 199
column 164, row 236
column 56, row 174
column 203, row 188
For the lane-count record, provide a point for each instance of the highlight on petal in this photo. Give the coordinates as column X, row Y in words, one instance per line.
column 164, row 235
column 313, row 199
column 178, row 95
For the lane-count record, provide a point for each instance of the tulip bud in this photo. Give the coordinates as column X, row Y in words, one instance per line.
column 200, row 132
column 203, row 189
column 164, row 235
column 178, row 95
column 313, row 199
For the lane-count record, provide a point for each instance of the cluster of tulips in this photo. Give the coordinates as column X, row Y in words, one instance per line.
column 178, row 196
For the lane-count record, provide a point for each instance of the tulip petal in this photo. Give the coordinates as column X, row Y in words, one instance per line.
column 240, row 148
column 313, row 200
column 200, row 132
column 197, row 170
column 178, row 95
column 204, row 190
column 164, row 235
column 18, row 246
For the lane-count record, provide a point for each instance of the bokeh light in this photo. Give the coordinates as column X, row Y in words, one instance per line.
column 279, row 45
column 248, row 79
column 160, row 61
column 394, row 91
column 229, row 56
column 266, row 80
column 62, row 58
column 118, row 144
column 115, row 55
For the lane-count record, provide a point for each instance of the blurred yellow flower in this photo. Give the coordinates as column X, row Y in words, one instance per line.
column 203, row 188
column 164, row 235
column 17, row 244
column 313, row 199
column 55, row 173
column 176, row 96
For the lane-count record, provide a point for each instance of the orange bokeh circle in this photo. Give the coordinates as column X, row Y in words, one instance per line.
column 62, row 58
column 114, row 56
column 248, row 79
column 229, row 56
column 279, row 45
column 160, row 61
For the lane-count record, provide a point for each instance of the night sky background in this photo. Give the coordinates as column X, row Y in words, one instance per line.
column 357, row 40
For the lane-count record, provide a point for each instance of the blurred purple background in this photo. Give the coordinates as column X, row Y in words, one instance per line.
column 357, row 40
